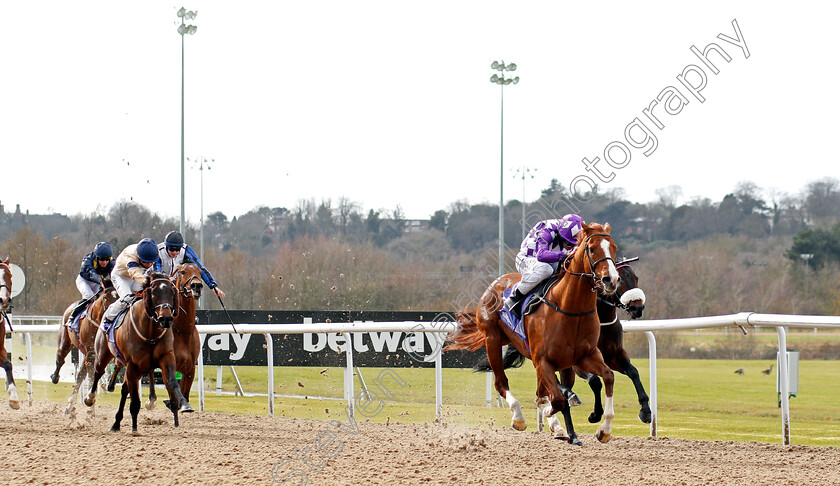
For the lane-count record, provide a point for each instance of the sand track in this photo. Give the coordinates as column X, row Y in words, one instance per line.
column 44, row 446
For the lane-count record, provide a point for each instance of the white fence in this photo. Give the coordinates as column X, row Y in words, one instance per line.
column 744, row 320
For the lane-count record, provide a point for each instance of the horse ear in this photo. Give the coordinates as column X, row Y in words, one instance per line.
column 7, row 260
column 147, row 302
column 607, row 227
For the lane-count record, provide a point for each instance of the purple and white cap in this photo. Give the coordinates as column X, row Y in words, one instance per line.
column 571, row 225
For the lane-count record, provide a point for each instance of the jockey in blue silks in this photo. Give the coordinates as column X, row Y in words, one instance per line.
column 547, row 244
column 173, row 252
column 96, row 266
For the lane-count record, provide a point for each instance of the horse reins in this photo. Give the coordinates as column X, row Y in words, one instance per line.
column 592, row 275
column 594, row 283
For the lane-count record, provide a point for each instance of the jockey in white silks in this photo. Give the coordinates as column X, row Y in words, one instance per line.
column 173, row 252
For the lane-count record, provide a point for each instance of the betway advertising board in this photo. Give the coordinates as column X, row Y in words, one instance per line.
column 379, row 349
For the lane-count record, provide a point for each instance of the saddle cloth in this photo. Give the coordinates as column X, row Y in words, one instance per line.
column 531, row 302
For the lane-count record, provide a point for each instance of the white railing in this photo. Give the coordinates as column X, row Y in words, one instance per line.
column 743, row 320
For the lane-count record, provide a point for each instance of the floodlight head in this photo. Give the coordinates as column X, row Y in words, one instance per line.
column 191, row 14
column 182, row 29
column 494, row 78
column 511, row 67
column 495, row 65
column 191, row 29
column 516, row 80
column 181, row 12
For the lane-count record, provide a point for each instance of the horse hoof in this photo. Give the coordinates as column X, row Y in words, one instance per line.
column 115, row 428
column 89, row 401
column 594, row 419
column 574, row 400
column 54, row 378
column 187, row 408
column 562, row 435
column 150, row 405
column 602, row 437
column 644, row 417
column 576, row 442
column 14, row 404
column 518, row 425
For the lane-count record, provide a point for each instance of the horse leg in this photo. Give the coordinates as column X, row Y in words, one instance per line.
column 64, row 346
column 84, row 370
column 633, row 374
column 187, row 377
column 132, row 379
column 179, row 403
column 493, row 346
column 595, row 384
column 112, row 381
column 14, row 401
column 594, row 363
column 152, row 400
column 119, row 416
column 567, row 381
column 544, row 406
column 548, row 381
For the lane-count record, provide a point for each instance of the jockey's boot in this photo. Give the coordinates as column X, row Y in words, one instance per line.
column 513, row 301
column 78, row 309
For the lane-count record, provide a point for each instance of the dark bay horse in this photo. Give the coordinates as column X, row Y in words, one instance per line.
column 5, row 305
column 83, row 340
column 561, row 334
column 187, row 344
column 142, row 343
column 631, row 298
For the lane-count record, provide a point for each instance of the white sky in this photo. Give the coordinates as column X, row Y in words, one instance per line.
column 390, row 103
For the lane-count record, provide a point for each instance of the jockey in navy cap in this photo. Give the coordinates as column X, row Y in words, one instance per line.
column 129, row 274
column 96, row 266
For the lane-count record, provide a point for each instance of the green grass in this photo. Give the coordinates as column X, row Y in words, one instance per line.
column 698, row 399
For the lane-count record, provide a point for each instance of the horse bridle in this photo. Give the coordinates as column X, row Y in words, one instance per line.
column 154, row 317
column 615, row 299
column 595, row 283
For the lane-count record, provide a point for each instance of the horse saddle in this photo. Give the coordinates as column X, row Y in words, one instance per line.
column 533, row 300
column 77, row 318
column 537, row 296
column 110, row 327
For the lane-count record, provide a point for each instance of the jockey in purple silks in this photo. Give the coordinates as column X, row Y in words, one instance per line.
column 547, row 244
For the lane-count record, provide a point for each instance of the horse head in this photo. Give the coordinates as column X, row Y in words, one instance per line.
column 629, row 296
column 160, row 299
column 188, row 280
column 598, row 250
column 5, row 285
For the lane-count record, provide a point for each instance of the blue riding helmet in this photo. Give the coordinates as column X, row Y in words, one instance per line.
column 147, row 250
column 102, row 250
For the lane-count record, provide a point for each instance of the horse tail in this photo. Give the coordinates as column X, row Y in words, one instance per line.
column 468, row 336
column 512, row 359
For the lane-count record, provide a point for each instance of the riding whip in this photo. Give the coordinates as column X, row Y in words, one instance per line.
column 226, row 313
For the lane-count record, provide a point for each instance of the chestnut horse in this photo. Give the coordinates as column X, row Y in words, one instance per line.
column 561, row 334
column 143, row 342
column 83, row 340
column 187, row 344
column 629, row 297
column 5, row 305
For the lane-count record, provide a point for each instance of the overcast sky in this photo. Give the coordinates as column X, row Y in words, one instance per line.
column 390, row 103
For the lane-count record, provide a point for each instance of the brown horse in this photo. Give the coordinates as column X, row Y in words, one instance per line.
column 187, row 344
column 143, row 342
column 5, row 305
column 629, row 297
column 83, row 340
column 561, row 334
